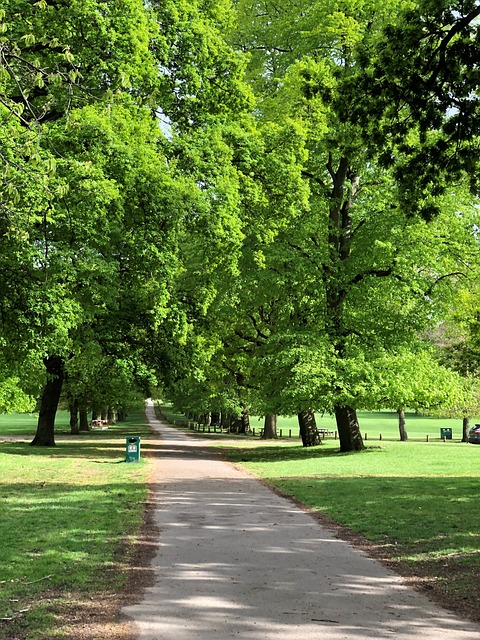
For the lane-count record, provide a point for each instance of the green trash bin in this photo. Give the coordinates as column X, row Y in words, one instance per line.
column 446, row 433
column 132, row 449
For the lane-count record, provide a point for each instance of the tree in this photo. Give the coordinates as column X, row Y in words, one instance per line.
column 89, row 186
column 457, row 343
column 422, row 91
column 47, row 71
column 256, row 171
column 325, row 284
column 417, row 380
column 355, row 288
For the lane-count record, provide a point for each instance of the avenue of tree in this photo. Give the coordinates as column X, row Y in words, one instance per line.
column 251, row 207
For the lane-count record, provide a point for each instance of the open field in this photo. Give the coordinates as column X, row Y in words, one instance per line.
column 69, row 517
column 373, row 425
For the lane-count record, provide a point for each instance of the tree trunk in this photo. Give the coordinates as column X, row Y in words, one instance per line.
column 49, row 402
column 111, row 415
column 74, row 426
column 95, row 415
column 465, row 428
column 401, row 425
column 308, row 429
column 228, row 422
column 121, row 416
column 236, row 426
column 348, row 429
column 270, row 427
column 84, row 426
column 244, row 421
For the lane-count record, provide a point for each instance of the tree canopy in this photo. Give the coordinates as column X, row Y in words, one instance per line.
column 263, row 207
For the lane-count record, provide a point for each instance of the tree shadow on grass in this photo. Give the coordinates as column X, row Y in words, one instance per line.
column 60, row 538
column 101, row 449
column 294, row 452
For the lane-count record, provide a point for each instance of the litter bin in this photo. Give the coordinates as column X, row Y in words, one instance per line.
column 132, row 449
column 446, row 433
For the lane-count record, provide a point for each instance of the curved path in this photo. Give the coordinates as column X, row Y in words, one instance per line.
column 235, row 560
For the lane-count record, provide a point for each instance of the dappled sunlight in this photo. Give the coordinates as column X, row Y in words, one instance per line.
column 237, row 560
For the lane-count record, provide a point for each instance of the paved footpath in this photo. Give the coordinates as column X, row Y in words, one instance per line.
column 235, row 560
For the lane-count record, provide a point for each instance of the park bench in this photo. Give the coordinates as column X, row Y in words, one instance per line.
column 325, row 432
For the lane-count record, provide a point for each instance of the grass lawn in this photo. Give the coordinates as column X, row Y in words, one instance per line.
column 68, row 517
column 374, row 425
column 418, row 502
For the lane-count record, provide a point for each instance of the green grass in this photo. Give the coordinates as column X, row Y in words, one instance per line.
column 66, row 515
column 374, row 425
column 385, row 424
column 25, row 424
column 18, row 424
column 419, row 501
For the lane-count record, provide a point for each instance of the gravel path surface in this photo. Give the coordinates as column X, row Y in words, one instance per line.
column 236, row 560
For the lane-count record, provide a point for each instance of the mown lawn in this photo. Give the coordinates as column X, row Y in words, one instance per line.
column 68, row 517
column 374, row 425
column 418, row 502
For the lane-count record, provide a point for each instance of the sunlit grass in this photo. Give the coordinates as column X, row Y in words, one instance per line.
column 374, row 426
column 67, row 512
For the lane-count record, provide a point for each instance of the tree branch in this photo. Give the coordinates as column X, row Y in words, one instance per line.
column 447, row 275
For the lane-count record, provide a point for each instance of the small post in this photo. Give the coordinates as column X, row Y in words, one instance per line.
column 366, row 436
column 336, row 435
column 427, row 438
column 280, row 433
column 289, row 433
column 380, row 437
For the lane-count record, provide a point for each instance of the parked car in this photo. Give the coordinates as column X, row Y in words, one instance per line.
column 474, row 434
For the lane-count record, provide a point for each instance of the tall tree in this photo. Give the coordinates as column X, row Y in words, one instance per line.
column 355, row 287
column 90, row 199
